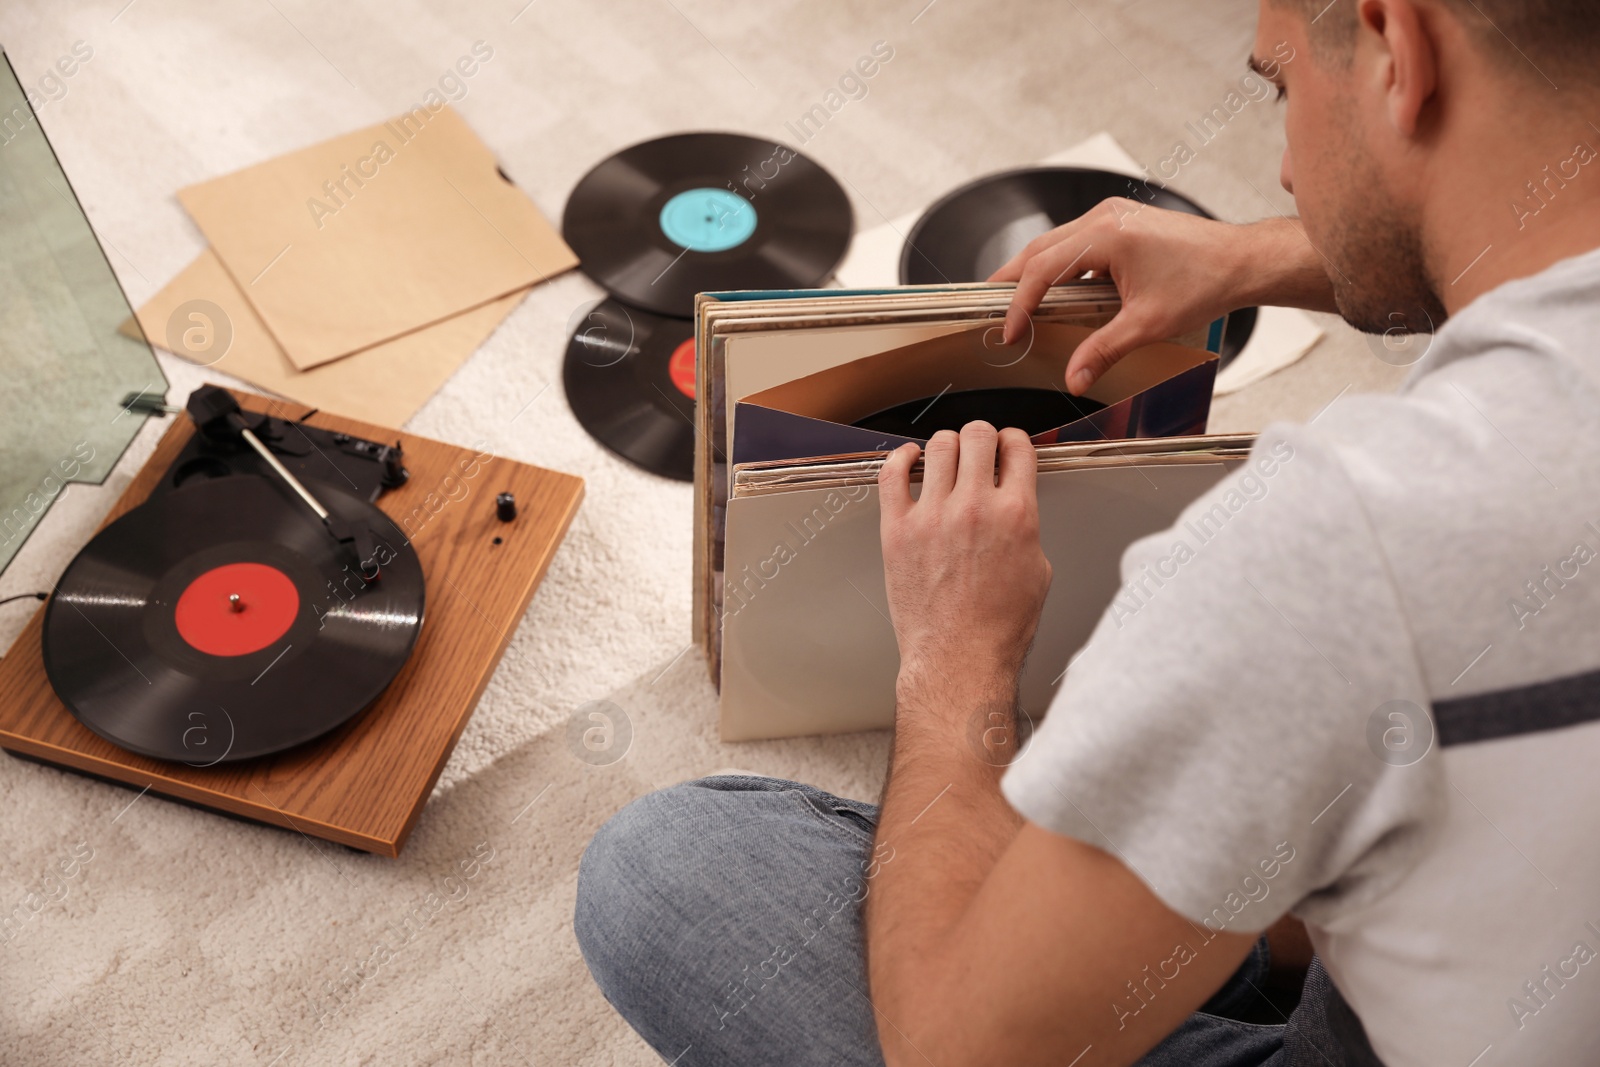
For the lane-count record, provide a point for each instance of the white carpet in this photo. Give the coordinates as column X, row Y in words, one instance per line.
column 185, row 937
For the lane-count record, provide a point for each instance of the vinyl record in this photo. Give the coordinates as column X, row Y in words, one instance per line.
column 630, row 379
column 145, row 645
column 1029, row 409
column 702, row 212
column 974, row 231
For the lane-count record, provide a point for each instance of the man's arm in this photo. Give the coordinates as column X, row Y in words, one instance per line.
column 1175, row 273
column 989, row 939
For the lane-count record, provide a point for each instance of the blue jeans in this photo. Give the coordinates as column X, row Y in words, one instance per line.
column 722, row 919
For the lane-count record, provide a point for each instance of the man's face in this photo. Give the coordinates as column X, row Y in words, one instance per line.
column 1358, row 213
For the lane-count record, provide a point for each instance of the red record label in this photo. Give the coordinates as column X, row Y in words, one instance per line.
column 210, row 620
column 681, row 368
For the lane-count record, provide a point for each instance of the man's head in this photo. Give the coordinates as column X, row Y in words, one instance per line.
column 1404, row 120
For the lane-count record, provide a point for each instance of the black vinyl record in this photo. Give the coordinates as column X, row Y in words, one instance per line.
column 973, row 231
column 145, row 646
column 630, row 379
column 1030, row 409
column 703, row 212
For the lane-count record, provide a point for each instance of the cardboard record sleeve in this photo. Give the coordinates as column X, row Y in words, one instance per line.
column 807, row 646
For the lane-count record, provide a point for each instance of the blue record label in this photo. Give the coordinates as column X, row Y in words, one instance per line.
column 708, row 219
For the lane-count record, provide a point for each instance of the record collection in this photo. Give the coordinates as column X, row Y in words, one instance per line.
column 814, row 387
column 201, row 593
column 659, row 222
column 974, row 230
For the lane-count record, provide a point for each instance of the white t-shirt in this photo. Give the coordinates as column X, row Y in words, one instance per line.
column 1360, row 682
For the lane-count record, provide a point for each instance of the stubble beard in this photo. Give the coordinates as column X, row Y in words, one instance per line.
column 1375, row 252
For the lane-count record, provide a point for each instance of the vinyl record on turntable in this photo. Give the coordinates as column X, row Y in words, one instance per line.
column 702, row 212
column 973, row 231
column 221, row 622
column 630, row 378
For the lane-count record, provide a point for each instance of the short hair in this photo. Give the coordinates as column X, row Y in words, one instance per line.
column 1555, row 41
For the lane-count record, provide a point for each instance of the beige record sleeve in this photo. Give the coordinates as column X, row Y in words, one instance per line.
column 384, row 384
column 357, row 240
column 807, row 647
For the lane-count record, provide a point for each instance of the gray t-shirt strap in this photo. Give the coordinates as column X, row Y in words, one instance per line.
column 1524, row 710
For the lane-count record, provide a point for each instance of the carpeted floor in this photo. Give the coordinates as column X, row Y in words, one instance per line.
column 183, row 937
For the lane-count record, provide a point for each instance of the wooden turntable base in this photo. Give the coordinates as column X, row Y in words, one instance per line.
column 364, row 785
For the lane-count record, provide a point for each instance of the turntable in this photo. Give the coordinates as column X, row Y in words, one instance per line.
column 215, row 645
column 288, row 616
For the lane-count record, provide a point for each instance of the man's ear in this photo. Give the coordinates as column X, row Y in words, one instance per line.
column 1403, row 42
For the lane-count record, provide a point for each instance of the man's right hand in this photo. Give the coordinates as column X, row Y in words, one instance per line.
column 1175, row 272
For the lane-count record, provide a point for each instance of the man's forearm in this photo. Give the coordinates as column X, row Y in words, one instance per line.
column 1278, row 265
column 943, row 825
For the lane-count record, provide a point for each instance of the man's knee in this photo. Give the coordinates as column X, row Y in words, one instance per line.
column 609, row 883
column 719, row 913
column 639, row 869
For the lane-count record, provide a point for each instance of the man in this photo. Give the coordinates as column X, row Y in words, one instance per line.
column 1370, row 700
